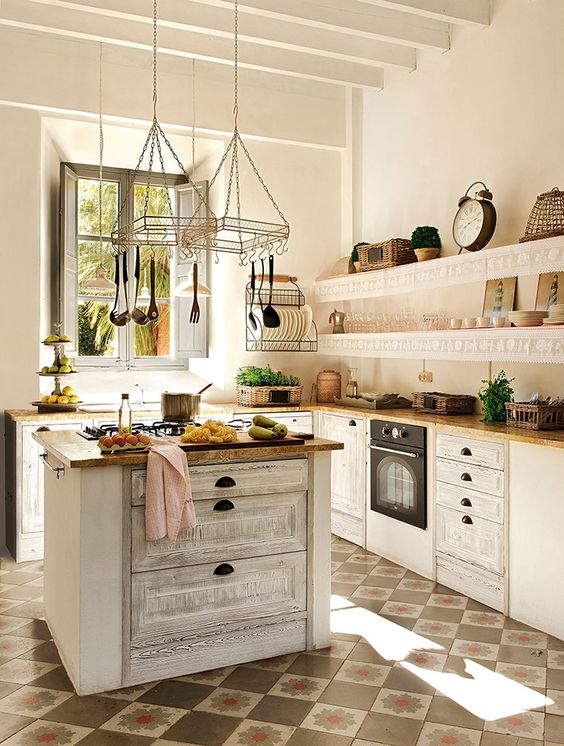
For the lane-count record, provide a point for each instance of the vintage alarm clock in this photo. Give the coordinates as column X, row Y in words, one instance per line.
column 474, row 222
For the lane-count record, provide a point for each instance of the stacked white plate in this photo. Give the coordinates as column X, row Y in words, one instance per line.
column 555, row 314
column 294, row 326
column 527, row 318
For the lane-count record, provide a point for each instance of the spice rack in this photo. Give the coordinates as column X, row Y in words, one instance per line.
column 286, row 294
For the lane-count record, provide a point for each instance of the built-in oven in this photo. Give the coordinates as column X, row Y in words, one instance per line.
column 398, row 471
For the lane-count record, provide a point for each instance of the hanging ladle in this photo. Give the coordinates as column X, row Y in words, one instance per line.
column 138, row 315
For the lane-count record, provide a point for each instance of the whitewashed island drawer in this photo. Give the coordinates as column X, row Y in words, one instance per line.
column 469, row 538
column 249, row 526
column 472, row 477
column 471, row 502
column 235, row 479
column 469, row 451
column 203, row 598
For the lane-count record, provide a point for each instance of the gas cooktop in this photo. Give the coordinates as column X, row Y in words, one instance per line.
column 159, row 429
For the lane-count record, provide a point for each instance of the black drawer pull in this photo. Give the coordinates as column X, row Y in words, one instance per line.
column 352, row 423
column 466, row 519
column 224, row 569
column 224, row 505
column 465, row 452
column 226, row 482
column 465, row 501
column 466, row 477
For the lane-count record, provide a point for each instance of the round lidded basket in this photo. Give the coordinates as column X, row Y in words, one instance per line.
column 547, row 217
column 328, row 386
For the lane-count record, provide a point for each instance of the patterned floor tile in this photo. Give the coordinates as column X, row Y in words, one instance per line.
column 373, row 592
column 36, row 628
column 401, row 609
column 518, row 654
column 347, row 694
column 10, row 623
column 388, row 571
column 12, row 646
column 366, row 559
column 112, row 738
column 32, row 701
column 344, row 721
column 413, row 584
column 524, row 638
column 315, row 665
column 557, row 706
column 424, row 659
column 252, row 732
column 390, row 729
column 299, row 687
column 283, row 710
column 229, row 702
column 6, row 604
column 435, row 734
column 20, row 577
column 22, row 593
column 356, row 672
column 142, row 719
column 435, row 628
column 55, row 734
column 447, row 712
column 404, row 704
column 10, row 724
column 476, row 633
column 523, row 724
column 171, row 693
column 527, row 675
column 483, row 618
column 130, row 693
column 337, row 649
column 217, row 675
column 21, row 671
column 203, row 728
column 554, row 729
column 251, row 679
column 448, row 601
column 471, row 649
column 335, row 565
column 555, row 659
column 352, row 578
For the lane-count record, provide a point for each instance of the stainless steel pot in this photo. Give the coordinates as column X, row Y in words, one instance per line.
column 180, row 407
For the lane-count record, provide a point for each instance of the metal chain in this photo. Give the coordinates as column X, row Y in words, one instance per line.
column 155, row 60
column 236, row 67
column 100, row 81
column 193, row 114
column 261, row 180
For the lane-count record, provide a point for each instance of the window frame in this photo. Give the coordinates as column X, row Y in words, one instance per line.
column 126, row 360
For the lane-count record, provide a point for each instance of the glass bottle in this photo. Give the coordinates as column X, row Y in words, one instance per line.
column 352, row 386
column 124, row 416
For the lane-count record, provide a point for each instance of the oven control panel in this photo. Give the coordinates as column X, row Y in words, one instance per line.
column 409, row 435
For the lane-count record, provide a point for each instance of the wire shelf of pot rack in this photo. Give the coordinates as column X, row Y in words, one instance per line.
column 529, row 258
column 297, row 331
column 508, row 344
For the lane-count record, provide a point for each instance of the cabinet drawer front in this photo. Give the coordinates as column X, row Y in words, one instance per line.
column 483, row 586
column 469, row 538
column 468, row 451
column 472, row 477
column 235, row 479
column 195, row 599
column 473, row 503
column 252, row 527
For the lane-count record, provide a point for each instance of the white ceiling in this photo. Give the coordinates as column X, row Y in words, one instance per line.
column 343, row 42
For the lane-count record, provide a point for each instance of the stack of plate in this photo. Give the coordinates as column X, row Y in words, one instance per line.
column 527, row 318
column 294, row 326
column 555, row 314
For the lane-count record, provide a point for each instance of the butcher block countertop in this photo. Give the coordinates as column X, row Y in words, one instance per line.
column 74, row 452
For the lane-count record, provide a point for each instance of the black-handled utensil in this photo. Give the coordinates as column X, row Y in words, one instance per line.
column 122, row 318
column 270, row 316
column 113, row 312
column 138, row 315
column 153, row 310
column 252, row 320
column 195, row 310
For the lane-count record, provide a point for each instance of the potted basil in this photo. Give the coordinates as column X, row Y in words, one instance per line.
column 426, row 242
column 494, row 396
column 259, row 387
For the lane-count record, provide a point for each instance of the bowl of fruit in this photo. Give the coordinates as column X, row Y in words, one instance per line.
column 121, row 442
column 56, row 339
column 65, row 401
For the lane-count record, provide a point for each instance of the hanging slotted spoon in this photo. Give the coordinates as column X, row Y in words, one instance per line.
column 139, row 316
column 270, row 316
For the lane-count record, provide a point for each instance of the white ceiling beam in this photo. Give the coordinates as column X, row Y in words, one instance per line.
column 473, row 12
column 203, row 18
column 116, row 31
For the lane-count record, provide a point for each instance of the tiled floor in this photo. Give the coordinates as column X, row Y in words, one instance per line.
column 412, row 664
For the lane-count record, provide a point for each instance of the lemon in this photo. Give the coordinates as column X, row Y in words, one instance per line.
column 63, row 400
column 74, row 399
column 53, row 399
column 68, row 391
column 45, row 399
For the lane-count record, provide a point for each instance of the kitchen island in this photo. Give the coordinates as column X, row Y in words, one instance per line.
column 251, row 581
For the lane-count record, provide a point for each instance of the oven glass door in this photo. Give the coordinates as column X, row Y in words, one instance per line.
column 398, row 485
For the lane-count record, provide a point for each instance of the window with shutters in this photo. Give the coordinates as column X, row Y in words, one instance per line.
column 84, row 312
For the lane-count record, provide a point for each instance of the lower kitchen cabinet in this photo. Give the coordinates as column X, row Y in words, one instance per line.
column 348, row 475
column 24, row 487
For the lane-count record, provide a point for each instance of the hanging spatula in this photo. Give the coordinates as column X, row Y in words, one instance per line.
column 270, row 316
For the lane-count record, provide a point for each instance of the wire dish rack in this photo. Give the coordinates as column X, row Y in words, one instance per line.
column 295, row 334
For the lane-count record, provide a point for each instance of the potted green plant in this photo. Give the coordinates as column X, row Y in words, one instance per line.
column 426, row 242
column 494, row 396
column 258, row 387
column 354, row 255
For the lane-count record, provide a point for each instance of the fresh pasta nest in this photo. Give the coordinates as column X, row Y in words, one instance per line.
column 212, row 431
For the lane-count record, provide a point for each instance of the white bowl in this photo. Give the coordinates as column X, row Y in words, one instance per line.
column 469, row 323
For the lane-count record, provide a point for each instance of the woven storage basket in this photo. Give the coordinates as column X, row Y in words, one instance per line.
column 268, row 396
column 438, row 403
column 387, row 254
column 328, row 386
column 547, row 217
column 535, row 416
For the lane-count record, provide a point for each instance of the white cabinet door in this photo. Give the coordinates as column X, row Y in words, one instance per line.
column 348, row 474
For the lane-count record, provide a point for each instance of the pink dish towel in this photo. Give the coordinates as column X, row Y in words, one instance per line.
column 169, row 508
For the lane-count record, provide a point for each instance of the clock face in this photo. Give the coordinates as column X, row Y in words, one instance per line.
column 468, row 223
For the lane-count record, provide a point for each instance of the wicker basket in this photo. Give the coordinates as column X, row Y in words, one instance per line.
column 547, row 217
column 268, row 396
column 535, row 416
column 387, row 254
column 438, row 403
column 328, row 386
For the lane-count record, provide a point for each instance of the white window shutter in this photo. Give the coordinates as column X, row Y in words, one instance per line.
column 68, row 251
column 191, row 339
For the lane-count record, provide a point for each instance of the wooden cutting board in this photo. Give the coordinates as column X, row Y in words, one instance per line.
column 243, row 441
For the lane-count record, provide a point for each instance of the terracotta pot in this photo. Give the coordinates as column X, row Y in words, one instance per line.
column 424, row 255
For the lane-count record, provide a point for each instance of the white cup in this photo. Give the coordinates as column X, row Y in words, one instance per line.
column 483, row 321
column 455, row 323
column 469, row 323
column 499, row 321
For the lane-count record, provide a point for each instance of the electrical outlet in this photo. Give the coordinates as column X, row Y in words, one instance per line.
column 426, row 376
